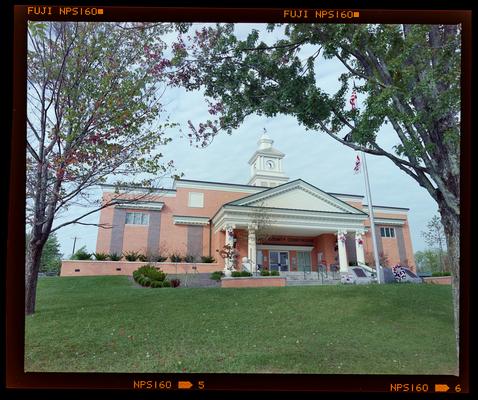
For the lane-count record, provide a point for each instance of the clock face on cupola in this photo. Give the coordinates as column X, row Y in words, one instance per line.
column 266, row 165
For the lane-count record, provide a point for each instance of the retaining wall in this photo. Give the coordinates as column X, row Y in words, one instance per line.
column 439, row 280
column 259, row 281
column 90, row 267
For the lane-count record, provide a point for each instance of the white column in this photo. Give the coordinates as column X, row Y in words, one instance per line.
column 229, row 240
column 251, row 247
column 359, row 246
column 343, row 262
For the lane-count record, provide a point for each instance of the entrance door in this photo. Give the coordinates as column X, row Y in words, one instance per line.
column 279, row 260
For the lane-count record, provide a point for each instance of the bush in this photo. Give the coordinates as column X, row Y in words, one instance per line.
column 236, row 274
column 216, row 275
column 101, row 256
column 157, row 258
column 142, row 257
column 148, row 275
column 175, row 282
column 189, row 259
column 175, row 258
column 441, row 273
column 275, row 273
column 81, row 254
column 156, row 284
column 114, row 257
column 265, row 272
column 208, row 259
column 245, row 273
column 166, row 284
column 131, row 255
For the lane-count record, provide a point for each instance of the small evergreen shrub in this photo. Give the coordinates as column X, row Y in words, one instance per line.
column 216, row 275
column 245, row 273
column 275, row 273
column 142, row 258
column 157, row 258
column 208, row 259
column 265, row 272
column 175, row 258
column 441, row 273
column 131, row 255
column 175, row 283
column 81, row 254
column 114, row 257
column 148, row 275
column 236, row 274
column 166, row 284
column 100, row 256
column 189, row 258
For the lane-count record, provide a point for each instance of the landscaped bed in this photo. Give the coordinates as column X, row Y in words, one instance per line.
column 110, row 324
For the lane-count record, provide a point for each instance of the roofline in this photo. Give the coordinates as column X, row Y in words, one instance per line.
column 108, row 185
column 389, row 207
column 345, row 194
column 295, row 209
column 221, row 183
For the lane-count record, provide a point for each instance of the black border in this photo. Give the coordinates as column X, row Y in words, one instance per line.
column 410, row 12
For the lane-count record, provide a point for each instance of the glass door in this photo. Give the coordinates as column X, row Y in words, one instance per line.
column 279, row 260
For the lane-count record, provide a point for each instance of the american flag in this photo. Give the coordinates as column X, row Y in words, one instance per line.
column 353, row 99
column 357, row 165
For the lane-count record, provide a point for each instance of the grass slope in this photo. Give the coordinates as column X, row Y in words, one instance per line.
column 109, row 324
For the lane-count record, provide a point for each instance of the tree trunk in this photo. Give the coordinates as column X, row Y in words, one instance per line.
column 451, row 223
column 32, row 267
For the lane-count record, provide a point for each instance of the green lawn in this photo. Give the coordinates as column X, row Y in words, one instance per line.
column 108, row 324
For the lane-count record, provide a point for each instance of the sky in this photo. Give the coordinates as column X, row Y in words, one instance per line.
column 309, row 155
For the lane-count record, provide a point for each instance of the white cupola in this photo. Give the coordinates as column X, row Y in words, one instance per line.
column 266, row 164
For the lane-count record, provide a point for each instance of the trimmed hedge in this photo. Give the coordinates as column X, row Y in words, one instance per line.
column 216, row 275
column 148, row 276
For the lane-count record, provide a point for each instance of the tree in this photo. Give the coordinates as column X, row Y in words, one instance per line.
column 428, row 260
column 435, row 236
column 408, row 76
column 51, row 255
column 93, row 111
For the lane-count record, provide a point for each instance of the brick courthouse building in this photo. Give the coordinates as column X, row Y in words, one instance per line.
column 306, row 226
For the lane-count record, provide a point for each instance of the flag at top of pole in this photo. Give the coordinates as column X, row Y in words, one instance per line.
column 357, row 165
column 353, row 99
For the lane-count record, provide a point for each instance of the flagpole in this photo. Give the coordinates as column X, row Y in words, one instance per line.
column 378, row 268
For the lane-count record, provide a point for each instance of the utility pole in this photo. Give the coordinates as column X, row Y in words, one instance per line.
column 74, row 244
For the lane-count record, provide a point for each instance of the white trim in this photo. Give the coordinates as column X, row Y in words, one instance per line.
column 186, row 220
column 386, row 221
column 224, row 187
column 387, row 210
column 106, row 188
column 151, row 206
column 283, row 247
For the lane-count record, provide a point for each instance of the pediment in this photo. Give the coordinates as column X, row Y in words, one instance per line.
column 297, row 195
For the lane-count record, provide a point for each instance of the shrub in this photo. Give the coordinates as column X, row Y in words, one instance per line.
column 236, row 274
column 275, row 273
column 157, row 258
column 245, row 273
column 166, row 284
column 189, row 258
column 81, row 254
column 114, row 257
column 131, row 255
column 175, row 282
column 148, row 275
column 175, row 258
column 441, row 273
column 265, row 272
column 142, row 257
column 156, row 284
column 208, row 259
column 216, row 275
column 101, row 256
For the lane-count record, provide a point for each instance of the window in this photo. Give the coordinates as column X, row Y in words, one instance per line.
column 387, row 232
column 196, row 200
column 137, row 218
